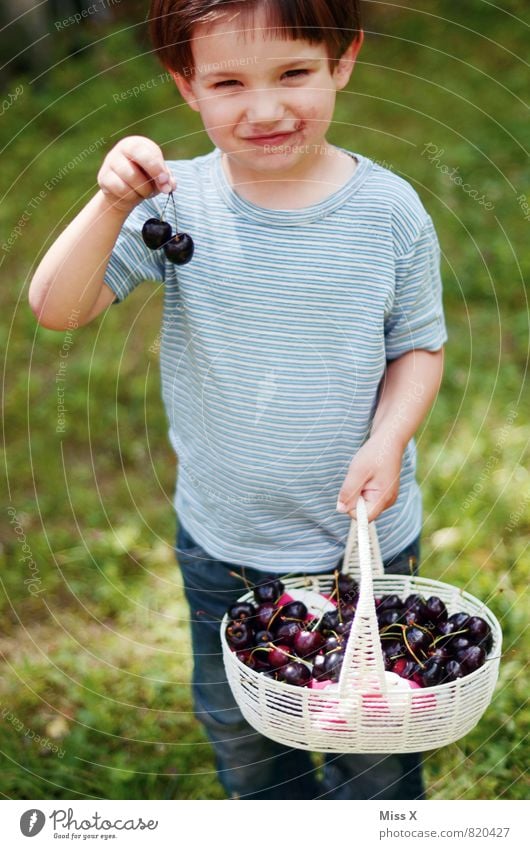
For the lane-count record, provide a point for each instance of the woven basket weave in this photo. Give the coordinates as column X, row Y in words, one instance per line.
column 368, row 710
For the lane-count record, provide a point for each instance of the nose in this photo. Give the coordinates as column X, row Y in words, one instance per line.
column 264, row 109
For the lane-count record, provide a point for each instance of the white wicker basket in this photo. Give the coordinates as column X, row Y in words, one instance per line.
column 368, row 710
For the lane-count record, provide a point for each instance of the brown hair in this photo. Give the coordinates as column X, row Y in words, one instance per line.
column 335, row 22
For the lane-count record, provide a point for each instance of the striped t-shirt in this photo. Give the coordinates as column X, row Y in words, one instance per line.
column 274, row 340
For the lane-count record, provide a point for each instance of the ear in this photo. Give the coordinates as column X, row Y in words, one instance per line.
column 344, row 67
column 184, row 86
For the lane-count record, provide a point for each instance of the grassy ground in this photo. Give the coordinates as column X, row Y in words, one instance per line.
column 98, row 662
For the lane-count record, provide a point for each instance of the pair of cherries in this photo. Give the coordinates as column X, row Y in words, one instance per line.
column 158, row 233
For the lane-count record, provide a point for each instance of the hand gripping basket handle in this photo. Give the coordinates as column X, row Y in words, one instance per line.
column 363, row 668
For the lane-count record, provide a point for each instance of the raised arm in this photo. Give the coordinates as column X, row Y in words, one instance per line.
column 70, row 276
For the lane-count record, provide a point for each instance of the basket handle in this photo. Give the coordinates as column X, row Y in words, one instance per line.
column 363, row 666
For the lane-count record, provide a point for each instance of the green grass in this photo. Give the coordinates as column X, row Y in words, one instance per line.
column 99, row 661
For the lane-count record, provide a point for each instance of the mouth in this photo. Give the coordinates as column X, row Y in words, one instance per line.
column 275, row 139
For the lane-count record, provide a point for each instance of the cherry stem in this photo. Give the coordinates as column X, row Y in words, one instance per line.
column 242, row 578
column 418, row 661
column 449, row 636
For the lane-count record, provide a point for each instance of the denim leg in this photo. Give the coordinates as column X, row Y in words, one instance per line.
column 249, row 765
column 378, row 776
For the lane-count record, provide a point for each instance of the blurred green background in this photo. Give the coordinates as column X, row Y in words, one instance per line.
column 97, row 660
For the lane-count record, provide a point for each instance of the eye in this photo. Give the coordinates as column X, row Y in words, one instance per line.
column 225, row 83
column 296, row 72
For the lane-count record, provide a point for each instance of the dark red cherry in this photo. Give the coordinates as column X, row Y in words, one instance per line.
column 329, row 622
column 347, row 612
column 460, row 620
column 479, row 632
column 241, row 610
column 279, row 656
column 436, row 609
column 294, row 673
column 264, row 614
column 333, row 664
column 332, row 642
column 433, row 672
column 387, row 617
column 319, row 673
column 294, row 610
column 239, row 635
column 308, row 643
column 179, row 249
column 286, row 632
column 246, row 657
column 459, row 643
column 262, row 638
column 417, row 614
column 471, row 659
column 390, row 601
column 453, row 670
column 268, row 591
column 156, row 233
column 418, row 640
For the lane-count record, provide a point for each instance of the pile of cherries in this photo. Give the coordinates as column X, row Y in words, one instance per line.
column 158, row 233
column 419, row 640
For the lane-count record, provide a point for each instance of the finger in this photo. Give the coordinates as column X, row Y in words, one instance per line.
column 113, row 185
column 355, row 480
column 148, row 156
column 135, row 178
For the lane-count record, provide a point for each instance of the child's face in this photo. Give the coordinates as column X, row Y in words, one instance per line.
column 265, row 116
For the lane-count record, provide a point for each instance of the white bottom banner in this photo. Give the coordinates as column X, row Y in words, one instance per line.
column 124, row 823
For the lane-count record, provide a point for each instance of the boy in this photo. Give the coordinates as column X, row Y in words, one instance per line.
column 301, row 347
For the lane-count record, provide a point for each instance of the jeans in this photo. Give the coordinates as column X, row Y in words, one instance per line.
column 250, row 765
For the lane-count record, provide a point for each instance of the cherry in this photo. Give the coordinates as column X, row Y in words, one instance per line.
column 246, row 657
column 440, row 654
column 347, row 583
column 460, row 620
column 156, row 233
column 279, row 656
column 436, row 609
column 453, row 670
column 417, row 614
column 343, row 628
column 264, row 614
column 270, row 591
column 417, row 640
column 332, row 642
column 333, row 664
column 262, row 638
column 286, row 632
column 433, row 672
column 446, row 628
column 392, row 648
column 471, row 659
column 179, row 249
column 459, row 643
column 239, row 635
column 390, row 601
column 294, row 610
column 480, row 632
column 329, row 622
column 319, row 673
column 388, row 616
column 295, row 673
column 308, row 643
column 241, row 610
column 347, row 611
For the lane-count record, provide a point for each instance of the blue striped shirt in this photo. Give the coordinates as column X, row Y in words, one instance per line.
column 274, row 340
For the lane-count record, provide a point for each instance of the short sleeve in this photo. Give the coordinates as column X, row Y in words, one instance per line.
column 131, row 261
column 416, row 319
